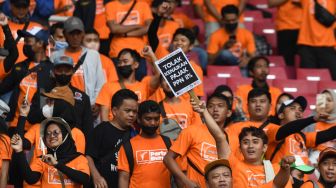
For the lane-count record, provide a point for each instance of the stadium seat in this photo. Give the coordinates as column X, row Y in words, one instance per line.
column 248, row 26
column 322, row 85
column 296, row 87
column 311, row 100
column 209, row 85
column 187, row 9
column 233, row 83
column 223, row 71
column 276, row 61
column 252, row 16
column 262, row 4
column 201, row 26
column 277, row 73
column 313, row 74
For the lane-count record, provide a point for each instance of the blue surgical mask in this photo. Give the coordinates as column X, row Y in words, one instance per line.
column 60, row 45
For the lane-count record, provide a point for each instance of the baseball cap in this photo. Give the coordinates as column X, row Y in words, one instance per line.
column 36, row 32
column 214, row 164
column 4, row 108
column 20, row 3
column 63, row 60
column 301, row 166
column 72, row 24
column 300, row 99
column 330, row 151
column 63, row 93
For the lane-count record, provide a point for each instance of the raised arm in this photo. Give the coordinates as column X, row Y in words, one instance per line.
column 282, row 177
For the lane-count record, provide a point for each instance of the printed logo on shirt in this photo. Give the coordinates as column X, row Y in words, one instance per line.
column 78, row 96
column 150, row 156
column 297, row 147
column 182, row 119
column 208, row 151
column 132, row 19
column 236, row 49
column 53, row 177
column 30, row 80
column 165, row 40
column 255, row 180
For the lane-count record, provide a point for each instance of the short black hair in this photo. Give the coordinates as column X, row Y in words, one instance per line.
column 256, row 92
column 148, row 106
column 229, row 9
column 121, row 95
column 254, row 60
column 20, row 3
column 254, row 131
column 57, row 25
column 91, row 31
column 187, row 33
column 134, row 54
column 220, row 96
column 223, row 88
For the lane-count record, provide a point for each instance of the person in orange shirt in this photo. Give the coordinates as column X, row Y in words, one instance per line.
column 130, row 33
column 5, row 149
column 64, row 7
column 252, row 171
column 61, row 156
column 127, row 64
column 101, row 27
column 287, row 21
column 317, row 41
column 231, row 45
column 218, row 173
column 91, row 41
column 327, row 168
column 58, row 40
column 148, row 149
column 258, row 69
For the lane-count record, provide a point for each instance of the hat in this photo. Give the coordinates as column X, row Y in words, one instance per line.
column 20, row 3
column 63, row 93
column 57, row 120
column 63, row 60
column 300, row 99
column 36, row 32
column 72, row 24
column 214, row 164
column 301, row 166
column 326, row 152
column 4, row 108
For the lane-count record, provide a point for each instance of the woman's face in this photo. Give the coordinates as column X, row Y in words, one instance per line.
column 329, row 103
column 53, row 136
column 327, row 169
column 281, row 100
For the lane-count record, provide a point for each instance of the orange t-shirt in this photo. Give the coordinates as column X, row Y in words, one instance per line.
column 149, row 170
column 311, row 185
column 197, row 144
column 312, row 33
column 218, row 4
column 243, row 90
column 288, row 17
column 244, row 38
column 109, row 69
column 77, row 79
column 321, row 126
column 3, row 73
column 115, row 11
column 100, row 20
column 166, row 32
column 49, row 174
column 5, row 149
column 183, row 20
column 62, row 3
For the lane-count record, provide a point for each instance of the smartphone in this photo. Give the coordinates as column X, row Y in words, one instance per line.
column 321, row 101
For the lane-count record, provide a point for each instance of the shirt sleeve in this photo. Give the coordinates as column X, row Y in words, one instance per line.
column 213, row 46
column 271, row 131
column 122, row 160
column 182, row 143
column 5, row 148
column 104, row 97
column 79, row 139
column 37, row 165
column 310, row 139
column 83, row 165
column 251, row 48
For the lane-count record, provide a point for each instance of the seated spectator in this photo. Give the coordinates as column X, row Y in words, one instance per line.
column 218, row 173
column 231, row 45
column 61, row 156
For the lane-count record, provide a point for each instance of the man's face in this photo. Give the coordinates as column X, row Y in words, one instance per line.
column 291, row 113
column 258, row 107
column 126, row 113
column 181, row 41
column 58, row 35
column 260, row 70
column 252, row 148
column 126, row 59
column 74, row 38
column 230, row 18
column 327, row 169
column 19, row 12
column 218, row 110
column 91, row 41
column 151, row 119
column 220, row 177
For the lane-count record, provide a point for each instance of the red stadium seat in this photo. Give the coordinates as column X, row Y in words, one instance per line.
column 313, row 74
column 323, row 85
column 277, row 73
column 262, row 4
column 296, row 87
column 187, row 9
column 213, row 82
column 252, row 16
column 201, row 26
column 276, row 61
column 233, row 83
column 311, row 100
column 223, row 71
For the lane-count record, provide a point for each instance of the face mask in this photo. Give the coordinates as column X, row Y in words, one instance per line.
column 149, row 130
column 297, row 183
column 125, row 71
column 60, row 45
column 28, row 51
column 169, row 94
column 47, row 111
column 63, row 79
column 231, row 27
column 92, row 45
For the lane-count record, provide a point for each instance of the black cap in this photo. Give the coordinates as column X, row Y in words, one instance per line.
column 300, row 100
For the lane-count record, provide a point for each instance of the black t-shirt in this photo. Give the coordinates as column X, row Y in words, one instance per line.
column 103, row 140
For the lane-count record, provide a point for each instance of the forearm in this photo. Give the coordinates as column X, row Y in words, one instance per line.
column 123, row 178
column 275, row 3
column 31, row 177
column 121, row 29
column 138, row 32
column 325, row 136
column 242, row 6
column 93, row 170
column 4, row 173
column 104, row 113
column 199, row 12
column 212, row 10
column 281, row 179
column 293, row 127
column 173, row 167
column 75, row 175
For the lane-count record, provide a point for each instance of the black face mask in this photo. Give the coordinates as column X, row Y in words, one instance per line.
column 28, row 51
column 125, row 71
column 169, row 94
column 297, row 183
column 231, row 27
column 149, row 130
column 63, row 79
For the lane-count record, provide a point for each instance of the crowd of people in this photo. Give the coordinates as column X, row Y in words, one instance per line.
column 84, row 105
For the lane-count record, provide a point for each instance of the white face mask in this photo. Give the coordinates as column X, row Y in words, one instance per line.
column 92, row 45
column 47, row 111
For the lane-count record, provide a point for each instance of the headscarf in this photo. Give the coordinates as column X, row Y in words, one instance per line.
column 332, row 115
column 65, row 152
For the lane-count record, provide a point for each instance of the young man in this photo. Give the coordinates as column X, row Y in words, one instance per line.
column 252, row 171
column 218, row 173
column 105, row 140
column 198, row 146
column 57, row 35
column 258, row 68
column 231, row 45
column 148, row 149
column 126, row 67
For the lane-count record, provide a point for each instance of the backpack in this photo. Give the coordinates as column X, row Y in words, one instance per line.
column 169, row 127
column 129, row 151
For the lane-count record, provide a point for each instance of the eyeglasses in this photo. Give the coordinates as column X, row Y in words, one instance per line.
column 55, row 133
